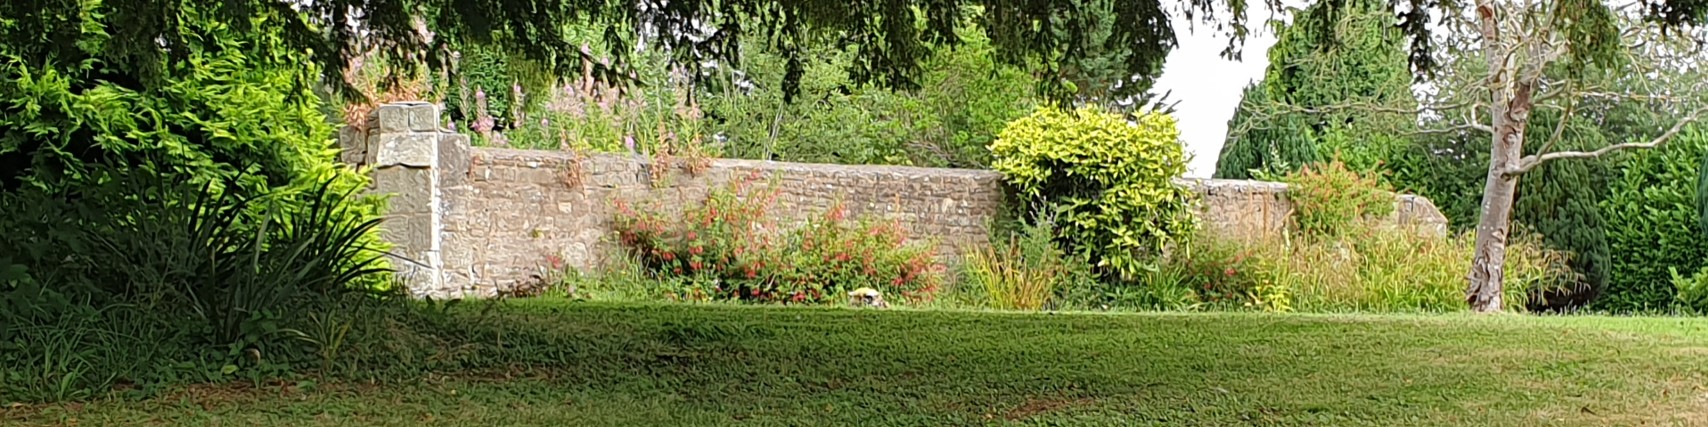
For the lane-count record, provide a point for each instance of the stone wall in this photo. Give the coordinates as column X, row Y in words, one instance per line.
column 507, row 211
column 1246, row 209
column 473, row 221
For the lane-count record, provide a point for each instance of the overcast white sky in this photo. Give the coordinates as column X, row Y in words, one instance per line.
column 1208, row 87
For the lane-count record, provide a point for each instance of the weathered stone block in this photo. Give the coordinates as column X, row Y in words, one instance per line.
column 391, row 118
column 411, row 234
column 419, row 150
column 423, row 117
column 455, row 159
column 352, row 145
column 411, row 189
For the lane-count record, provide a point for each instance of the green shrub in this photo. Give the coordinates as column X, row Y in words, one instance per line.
column 1559, row 201
column 725, row 250
column 210, row 286
column 1652, row 224
column 1347, row 257
column 1692, row 291
column 176, row 231
column 1111, row 179
column 1330, row 55
column 1328, row 198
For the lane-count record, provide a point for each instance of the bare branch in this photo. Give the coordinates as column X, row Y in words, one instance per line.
column 1370, row 107
column 1453, row 129
column 1632, row 97
column 1531, row 161
column 1559, row 129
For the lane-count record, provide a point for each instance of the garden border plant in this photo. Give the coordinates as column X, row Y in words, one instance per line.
column 729, row 247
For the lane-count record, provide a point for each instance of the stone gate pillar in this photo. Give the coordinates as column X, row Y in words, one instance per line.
column 404, row 146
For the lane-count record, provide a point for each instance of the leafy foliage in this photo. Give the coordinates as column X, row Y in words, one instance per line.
column 1702, row 196
column 1346, row 259
column 1691, row 292
column 1368, row 268
column 727, row 249
column 501, row 81
column 236, row 105
column 1275, row 143
column 1329, row 74
column 1329, row 198
column 1448, row 168
column 1652, row 224
column 211, row 286
column 177, row 231
column 1560, row 201
column 1025, row 32
column 965, row 98
column 1110, row 179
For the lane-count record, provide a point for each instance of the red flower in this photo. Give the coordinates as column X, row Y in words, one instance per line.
column 1229, row 271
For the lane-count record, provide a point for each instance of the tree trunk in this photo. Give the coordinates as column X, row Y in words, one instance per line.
column 1509, row 109
column 1511, row 114
column 1489, row 259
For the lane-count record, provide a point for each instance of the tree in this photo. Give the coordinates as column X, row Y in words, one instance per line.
column 83, row 38
column 1270, row 142
column 1517, row 43
column 696, row 32
column 1351, row 55
column 1507, row 56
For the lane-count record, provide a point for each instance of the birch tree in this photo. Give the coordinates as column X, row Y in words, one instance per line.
column 1517, row 43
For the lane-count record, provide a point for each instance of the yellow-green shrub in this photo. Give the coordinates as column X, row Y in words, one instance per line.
column 1110, row 179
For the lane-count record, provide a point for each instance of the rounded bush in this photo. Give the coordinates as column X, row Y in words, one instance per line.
column 1109, row 176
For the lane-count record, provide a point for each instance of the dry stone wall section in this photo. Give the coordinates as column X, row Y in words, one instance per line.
column 472, row 221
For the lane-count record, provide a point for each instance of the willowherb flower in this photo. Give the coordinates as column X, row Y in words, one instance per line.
column 483, row 122
column 516, row 113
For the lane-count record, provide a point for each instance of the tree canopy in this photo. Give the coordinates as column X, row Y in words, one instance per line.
column 63, row 33
column 1325, row 58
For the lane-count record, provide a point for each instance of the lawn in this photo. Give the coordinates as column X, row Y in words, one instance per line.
column 571, row 364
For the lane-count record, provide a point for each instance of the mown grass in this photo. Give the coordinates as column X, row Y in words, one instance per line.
column 555, row 363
